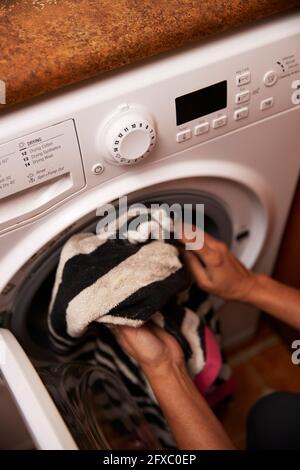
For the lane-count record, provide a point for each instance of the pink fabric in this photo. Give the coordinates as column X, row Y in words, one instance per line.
column 213, row 363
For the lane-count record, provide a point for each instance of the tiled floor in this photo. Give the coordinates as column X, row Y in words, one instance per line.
column 261, row 365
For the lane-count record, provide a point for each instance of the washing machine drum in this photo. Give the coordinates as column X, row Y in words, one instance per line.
column 216, row 218
column 30, row 306
column 29, row 325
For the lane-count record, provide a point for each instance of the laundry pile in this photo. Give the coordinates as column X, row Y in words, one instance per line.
column 126, row 276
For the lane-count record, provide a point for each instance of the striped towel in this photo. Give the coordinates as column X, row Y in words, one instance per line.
column 126, row 276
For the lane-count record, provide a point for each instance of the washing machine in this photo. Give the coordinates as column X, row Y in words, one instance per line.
column 215, row 123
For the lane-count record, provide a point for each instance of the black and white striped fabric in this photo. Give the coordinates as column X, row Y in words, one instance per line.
column 123, row 276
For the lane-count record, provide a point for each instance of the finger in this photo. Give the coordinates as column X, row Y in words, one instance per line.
column 205, row 255
column 209, row 242
column 159, row 332
column 164, row 336
column 211, row 253
column 124, row 334
column 190, row 232
column 198, row 271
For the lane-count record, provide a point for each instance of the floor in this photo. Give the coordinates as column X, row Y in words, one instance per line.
column 260, row 366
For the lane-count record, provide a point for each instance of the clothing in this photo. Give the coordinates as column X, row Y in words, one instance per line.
column 126, row 276
column 273, row 423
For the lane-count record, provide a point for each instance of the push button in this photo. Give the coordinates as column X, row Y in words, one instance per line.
column 243, row 97
column 184, row 135
column 243, row 78
column 270, row 78
column 296, row 93
column 267, row 103
column 219, row 122
column 97, row 169
column 241, row 113
column 201, row 128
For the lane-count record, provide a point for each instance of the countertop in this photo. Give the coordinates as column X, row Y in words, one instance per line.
column 48, row 44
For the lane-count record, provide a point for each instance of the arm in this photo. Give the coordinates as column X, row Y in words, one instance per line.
column 193, row 424
column 281, row 301
column 216, row 270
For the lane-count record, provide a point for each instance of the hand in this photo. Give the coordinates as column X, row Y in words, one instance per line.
column 189, row 417
column 151, row 346
column 218, row 271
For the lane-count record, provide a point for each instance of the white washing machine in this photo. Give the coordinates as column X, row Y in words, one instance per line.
column 216, row 123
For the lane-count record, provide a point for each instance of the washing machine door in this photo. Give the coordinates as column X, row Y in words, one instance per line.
column 44, row 423
column 91, row 404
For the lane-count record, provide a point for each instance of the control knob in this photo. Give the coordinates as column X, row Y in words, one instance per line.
column 129, row 136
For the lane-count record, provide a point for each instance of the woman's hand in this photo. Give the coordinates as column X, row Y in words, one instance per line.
column 218, row 271
column 152, row 347
column 190, row 419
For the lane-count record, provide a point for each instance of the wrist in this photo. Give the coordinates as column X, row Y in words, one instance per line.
column 165, row 369
column 257, row 285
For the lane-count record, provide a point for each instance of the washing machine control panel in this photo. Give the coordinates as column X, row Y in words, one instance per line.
column 128, row 135
column 38, row 170
column 246, row 96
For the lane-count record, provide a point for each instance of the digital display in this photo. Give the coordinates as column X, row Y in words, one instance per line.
column 201, row 102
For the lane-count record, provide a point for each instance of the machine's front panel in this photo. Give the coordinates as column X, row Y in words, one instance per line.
column 141, row 116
